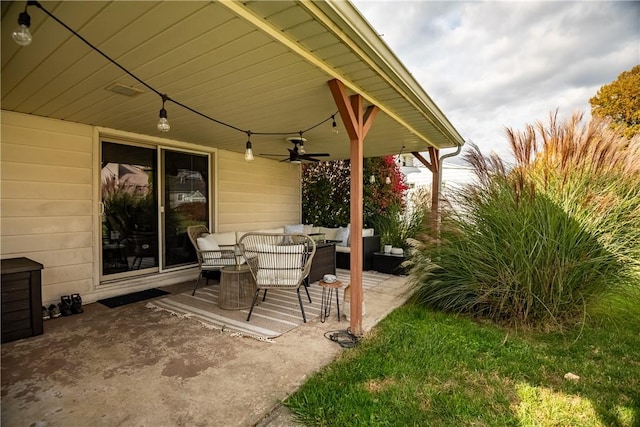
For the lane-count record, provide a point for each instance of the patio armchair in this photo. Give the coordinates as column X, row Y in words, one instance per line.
column 211, row 256
column 278, row 260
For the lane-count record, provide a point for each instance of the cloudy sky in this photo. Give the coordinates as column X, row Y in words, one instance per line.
column 491, row 65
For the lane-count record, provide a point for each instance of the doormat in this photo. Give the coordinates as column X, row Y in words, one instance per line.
column 121, row 300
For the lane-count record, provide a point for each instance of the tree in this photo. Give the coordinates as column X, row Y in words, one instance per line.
column 620, row 101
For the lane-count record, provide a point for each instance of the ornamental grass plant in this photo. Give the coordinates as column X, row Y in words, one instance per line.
column 544, row 243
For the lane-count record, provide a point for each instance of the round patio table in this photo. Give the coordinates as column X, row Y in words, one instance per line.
column 237, row 287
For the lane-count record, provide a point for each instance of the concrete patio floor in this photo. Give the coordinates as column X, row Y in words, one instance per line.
column 132, row 366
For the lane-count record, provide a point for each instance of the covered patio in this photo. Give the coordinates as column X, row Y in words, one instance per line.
column 135, row 366
column 227, row 76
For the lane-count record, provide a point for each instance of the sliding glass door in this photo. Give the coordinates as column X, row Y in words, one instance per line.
column 132, row 240
column 185, row 201
column 129, row 209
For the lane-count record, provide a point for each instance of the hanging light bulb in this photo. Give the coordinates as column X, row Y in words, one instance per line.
column 22, row 35
column 163, row 123
column 372, row 179
column 248, row 152
column 334, row 126
column 387, row 180
column 301, row 149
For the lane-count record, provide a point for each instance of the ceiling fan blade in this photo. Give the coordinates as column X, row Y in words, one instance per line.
column 311, row 159
column 317, row 154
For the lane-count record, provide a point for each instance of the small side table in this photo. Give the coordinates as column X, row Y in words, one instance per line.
column 237, row 287
column 327, row 294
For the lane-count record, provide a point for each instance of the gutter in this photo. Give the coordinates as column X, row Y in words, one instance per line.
column 441, row 161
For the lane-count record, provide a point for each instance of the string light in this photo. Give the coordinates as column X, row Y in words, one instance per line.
column 334, row 126
column 248, row 153
column 163, row 123
column 23, row 37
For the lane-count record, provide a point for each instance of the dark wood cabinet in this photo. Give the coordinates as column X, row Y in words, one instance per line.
column 21, row 289
column 324, row 261
column 388, row 263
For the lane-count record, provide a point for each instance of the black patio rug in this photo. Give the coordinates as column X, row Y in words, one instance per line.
column 121, row 300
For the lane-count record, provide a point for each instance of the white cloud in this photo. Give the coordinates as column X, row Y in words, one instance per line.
column 491, row 65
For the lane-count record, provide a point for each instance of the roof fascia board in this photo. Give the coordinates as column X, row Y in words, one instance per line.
column 374, row 50
column 242, row 11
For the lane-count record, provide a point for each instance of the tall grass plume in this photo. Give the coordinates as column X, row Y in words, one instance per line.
column 547, row 241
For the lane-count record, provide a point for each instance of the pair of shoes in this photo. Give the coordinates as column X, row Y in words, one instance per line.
column 76, row 304
column 70, row 304
column 45, row 313
column 65, row 305
column 54, row 311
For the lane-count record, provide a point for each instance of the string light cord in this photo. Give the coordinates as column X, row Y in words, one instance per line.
column 345, row 338
column 165, row 97
column 299, row 132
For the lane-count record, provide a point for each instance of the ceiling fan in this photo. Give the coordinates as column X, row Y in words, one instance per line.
column 298, row 153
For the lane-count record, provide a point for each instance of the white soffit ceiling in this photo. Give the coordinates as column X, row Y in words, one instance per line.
column 261, row 66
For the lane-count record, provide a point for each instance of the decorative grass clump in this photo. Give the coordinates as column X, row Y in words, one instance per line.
column 544, row 243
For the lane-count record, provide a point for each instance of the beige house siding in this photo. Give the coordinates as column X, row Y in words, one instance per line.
column 46, row 194
column 256, row 195
column 49, row 193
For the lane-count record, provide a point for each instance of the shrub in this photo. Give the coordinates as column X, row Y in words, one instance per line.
column 545, row 241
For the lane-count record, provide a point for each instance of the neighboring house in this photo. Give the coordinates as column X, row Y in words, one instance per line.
column 71, row 121
column 186, row 188
column 453, row 176
column 179, row 197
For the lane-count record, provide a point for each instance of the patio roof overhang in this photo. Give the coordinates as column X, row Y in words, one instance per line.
column 258, row 65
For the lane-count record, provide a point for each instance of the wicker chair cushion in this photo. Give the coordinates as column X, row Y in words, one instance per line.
column 279, row 265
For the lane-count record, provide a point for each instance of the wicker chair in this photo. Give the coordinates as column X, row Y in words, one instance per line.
column 278, row 261
column 209, row 260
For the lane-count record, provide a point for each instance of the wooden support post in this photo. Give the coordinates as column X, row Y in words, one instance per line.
column 357, row 123
column 434, row 167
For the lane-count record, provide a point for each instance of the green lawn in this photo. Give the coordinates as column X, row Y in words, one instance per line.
column 423, row 368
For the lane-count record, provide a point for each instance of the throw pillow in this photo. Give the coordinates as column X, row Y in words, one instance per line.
column 309, row 229
column 343, row 235
column 206, row 242
column 292, row 229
